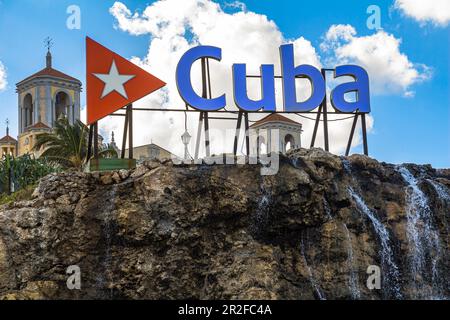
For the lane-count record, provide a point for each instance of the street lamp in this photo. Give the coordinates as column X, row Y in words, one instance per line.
column 186, row 138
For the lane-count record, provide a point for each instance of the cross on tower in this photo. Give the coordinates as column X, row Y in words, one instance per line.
column 7, row 127
column 48, row 43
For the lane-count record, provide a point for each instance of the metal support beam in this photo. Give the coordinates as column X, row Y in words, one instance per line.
column 124, row 138
column 207, row 148
column 130, row 129
column 199, row 133
column 96, row 141
column 352, row 132
column 236, row 136
column 325, row 117
column 316, row 127
column 364, row 132
column 247, row 137
column 89, row 150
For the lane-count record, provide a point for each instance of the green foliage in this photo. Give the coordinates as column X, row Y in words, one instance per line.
column 23, row 171
column 67, row 144
column 21, row 195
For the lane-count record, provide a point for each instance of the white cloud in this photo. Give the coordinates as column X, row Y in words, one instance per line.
column 245, row 37
column 236, row 5
column 434, row 11
column 390, row 70
column 3, row 82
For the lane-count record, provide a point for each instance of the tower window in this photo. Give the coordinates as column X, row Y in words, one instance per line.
column 62, row 103
column 289, row 142
column 28, row 110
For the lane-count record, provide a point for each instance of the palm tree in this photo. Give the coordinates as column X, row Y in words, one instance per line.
column 67, row 144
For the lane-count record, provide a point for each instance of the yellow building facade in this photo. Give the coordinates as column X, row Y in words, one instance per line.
column 43, row 98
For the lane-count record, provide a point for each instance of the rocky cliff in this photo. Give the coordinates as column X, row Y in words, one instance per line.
column 226, row 232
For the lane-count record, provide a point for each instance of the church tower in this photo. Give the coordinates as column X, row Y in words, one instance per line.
column 44, row 97
column 8, row 145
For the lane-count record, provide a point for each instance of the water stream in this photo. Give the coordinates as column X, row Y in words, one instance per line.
column 424, row 242
column 391, row 279
column 389, row 268
column 105, row 279
column 353, row 279
column 318, row 291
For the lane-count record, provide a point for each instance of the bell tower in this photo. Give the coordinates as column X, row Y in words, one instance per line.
column 43, row 98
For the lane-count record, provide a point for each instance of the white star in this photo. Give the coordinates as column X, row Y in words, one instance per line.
column 114, row 81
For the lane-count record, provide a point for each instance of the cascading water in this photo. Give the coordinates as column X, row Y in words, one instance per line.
column 441, row 190
column 391, row 285
column 320, row 295
column 353, row 279
column 444, row 196
column 261, row 216
column 424, row 242
column 388, row 266
column 327, row 209
column 104, row 280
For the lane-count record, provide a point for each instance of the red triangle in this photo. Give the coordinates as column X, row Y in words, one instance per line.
column 99, row 61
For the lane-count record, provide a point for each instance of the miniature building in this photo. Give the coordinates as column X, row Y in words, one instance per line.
column 8, row 145
column 44, row 97
column 274, row 133
column 149, row 152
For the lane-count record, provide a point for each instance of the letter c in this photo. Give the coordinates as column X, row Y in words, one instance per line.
column 183, row 78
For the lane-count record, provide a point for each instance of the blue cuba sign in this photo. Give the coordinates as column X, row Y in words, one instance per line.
column 359, row 86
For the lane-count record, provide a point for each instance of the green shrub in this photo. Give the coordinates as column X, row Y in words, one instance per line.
column 23, row 171
column 23, row 194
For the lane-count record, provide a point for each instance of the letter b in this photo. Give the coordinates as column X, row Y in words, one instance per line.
column 290, row 73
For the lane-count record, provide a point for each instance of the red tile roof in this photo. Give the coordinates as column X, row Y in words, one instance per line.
column 8, row 139
column 39, row 125
column 50, row 72
column 274, row 117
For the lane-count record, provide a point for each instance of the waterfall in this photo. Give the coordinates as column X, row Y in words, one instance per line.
column 347, row 166
column 423, row 238
column 444, row 197
column 353, row 279
column 389, row 268
column 312, row 280
column 327, row 208
column 441, row 190
column 105, row 278
column 261, row 216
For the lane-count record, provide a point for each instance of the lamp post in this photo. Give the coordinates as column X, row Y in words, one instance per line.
column 186, row 138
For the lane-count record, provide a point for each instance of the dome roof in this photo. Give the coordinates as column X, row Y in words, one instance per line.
column 50, row 72
column 274, row 117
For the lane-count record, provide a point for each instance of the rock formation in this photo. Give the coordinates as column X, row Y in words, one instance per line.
column 165, row 231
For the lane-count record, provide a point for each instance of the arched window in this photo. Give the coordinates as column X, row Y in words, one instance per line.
column 289, row 142
column 62, row 103
column 261, row 145
column 28, row 107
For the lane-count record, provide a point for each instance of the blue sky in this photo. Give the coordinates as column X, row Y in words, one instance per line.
column 406, row 129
